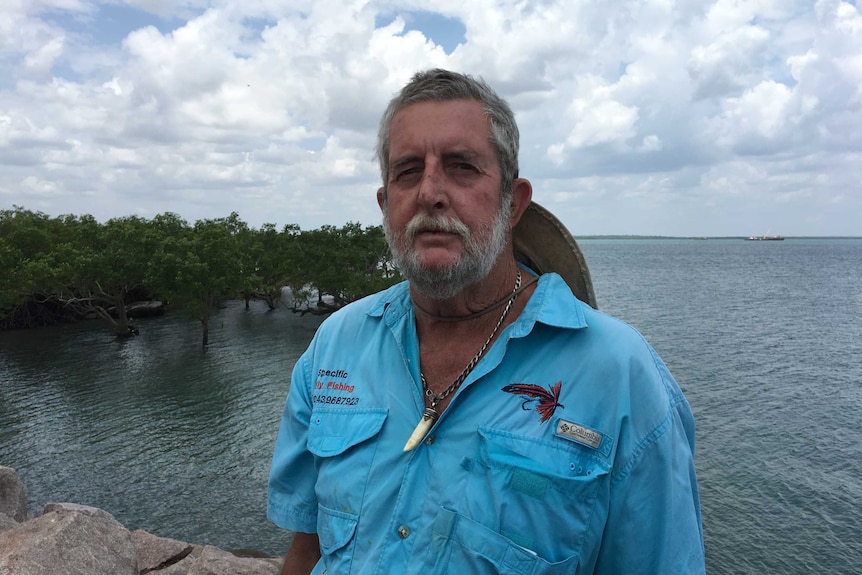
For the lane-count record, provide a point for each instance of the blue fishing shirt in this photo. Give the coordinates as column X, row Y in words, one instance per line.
column 567, row 450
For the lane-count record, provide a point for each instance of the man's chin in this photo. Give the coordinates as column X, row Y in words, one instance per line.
column 439, row 290
column 441, row 283
column 438, row 258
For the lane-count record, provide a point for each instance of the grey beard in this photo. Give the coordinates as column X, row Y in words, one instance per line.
column 481, row 251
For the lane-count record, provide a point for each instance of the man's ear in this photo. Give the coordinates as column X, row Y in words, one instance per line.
column 381, row 198
column 522, row 195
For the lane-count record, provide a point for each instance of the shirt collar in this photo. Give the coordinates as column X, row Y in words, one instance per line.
column 396, row 297
column 552, row 303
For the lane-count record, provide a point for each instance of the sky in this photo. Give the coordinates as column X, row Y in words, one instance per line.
column 644, row 117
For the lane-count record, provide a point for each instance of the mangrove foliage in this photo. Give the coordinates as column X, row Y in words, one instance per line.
column 66, row 268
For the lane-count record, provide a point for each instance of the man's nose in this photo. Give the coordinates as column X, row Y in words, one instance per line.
column 432, row 188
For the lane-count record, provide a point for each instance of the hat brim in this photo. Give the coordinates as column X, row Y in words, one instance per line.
column 543, row 244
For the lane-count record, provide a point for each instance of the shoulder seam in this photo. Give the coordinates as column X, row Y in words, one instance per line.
column 673, row 399
column 642, row 446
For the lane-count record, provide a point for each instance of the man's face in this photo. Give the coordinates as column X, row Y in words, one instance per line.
column 442, row 211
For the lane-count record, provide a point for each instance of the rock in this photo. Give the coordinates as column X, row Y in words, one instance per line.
column 13, row 496
column 6, row 523
column 84, row 509
column 250, row 553
column 71, row 539
column 157, row 553
column 68, row 539
column 214, row 561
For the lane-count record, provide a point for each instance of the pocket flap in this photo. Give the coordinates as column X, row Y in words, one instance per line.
column 481, row 550
column 334, row 529
column 563, row 460
column 333, row 431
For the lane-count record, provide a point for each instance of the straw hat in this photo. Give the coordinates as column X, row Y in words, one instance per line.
column 544, row 245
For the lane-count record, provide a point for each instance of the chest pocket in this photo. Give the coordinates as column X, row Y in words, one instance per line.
column 332, row 431
column 534, row 494
column 342, row 441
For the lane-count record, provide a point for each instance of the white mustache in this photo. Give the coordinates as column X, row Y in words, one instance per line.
column 427, row 223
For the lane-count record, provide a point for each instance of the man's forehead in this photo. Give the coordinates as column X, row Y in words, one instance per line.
column 462, row 106
column 457, row 126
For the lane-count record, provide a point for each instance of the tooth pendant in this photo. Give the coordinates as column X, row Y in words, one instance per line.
column 422, row 428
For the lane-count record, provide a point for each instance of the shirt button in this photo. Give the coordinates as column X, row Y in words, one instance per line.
column 403, row 532
column 429, row 440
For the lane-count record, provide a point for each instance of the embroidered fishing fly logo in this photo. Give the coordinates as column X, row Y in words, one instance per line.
column 548, row 399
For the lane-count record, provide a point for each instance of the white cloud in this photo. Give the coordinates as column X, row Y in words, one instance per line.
column 730, row 61
column 651, row 143
column 599, row 119
column 761, row 111
column 634, row 115
column 41, row 59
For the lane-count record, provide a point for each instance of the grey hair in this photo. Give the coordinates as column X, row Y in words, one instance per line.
column 440, row 86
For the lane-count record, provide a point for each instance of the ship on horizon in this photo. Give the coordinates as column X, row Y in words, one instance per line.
column 765, row 238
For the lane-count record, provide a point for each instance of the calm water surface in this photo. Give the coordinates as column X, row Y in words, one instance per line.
column 166, row 436
column 764, row 337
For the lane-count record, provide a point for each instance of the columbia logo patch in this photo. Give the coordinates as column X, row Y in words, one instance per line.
column 579, row 434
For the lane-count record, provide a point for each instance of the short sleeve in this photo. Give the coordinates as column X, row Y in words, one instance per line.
column 291, row 501
column 654, row 523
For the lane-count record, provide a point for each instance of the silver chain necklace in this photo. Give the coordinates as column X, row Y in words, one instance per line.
column 429, row 416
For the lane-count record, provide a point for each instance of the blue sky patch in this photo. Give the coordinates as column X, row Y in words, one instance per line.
column 112, row 23
column 445, row 31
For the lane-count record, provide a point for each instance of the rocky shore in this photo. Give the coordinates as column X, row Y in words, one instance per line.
column 72, row 539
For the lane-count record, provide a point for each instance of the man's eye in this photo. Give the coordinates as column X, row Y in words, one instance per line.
column 406, row 173
column 465, row 166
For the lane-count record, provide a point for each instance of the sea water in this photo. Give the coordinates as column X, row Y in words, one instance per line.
column 765, row 338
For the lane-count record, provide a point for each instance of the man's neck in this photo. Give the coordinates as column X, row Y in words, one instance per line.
column 497, row 286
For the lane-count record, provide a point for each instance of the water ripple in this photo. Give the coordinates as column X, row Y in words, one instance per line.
column 764, row 337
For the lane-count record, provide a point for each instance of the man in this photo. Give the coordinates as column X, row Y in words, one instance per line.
column 476, row 419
